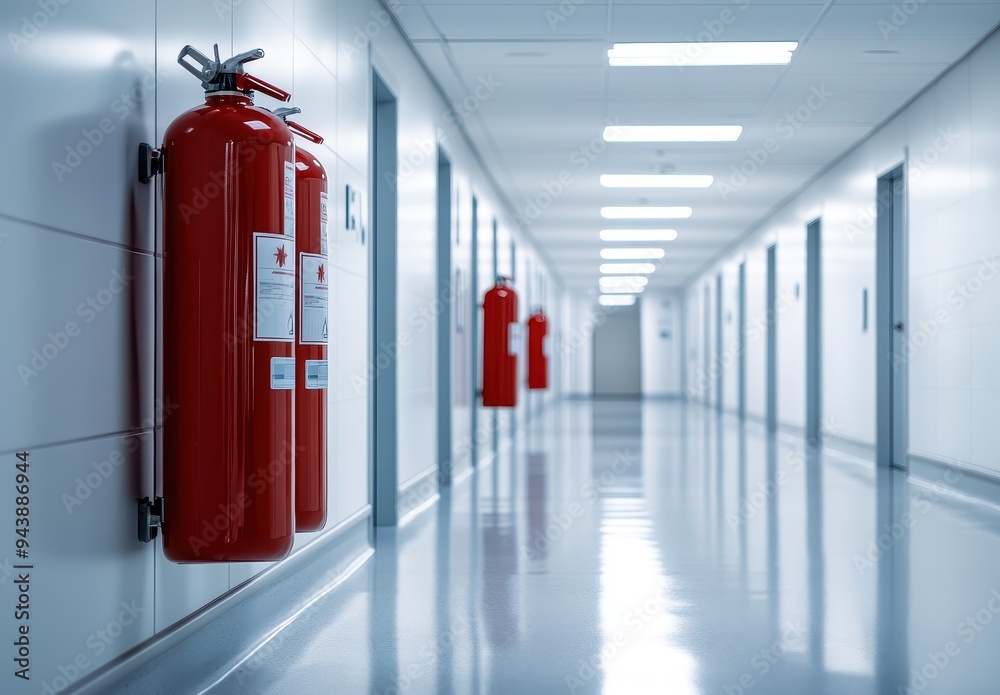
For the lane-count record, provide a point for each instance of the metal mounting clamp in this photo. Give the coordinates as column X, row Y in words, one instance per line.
column 150, row 162
column 150, row 518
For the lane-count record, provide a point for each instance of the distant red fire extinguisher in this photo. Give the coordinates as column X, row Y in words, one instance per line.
column 501, row 339
column 228, row 320
column 538, row 350
column 311, row 223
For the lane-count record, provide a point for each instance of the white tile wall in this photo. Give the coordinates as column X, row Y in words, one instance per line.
column 61, row 243
column 79, row 359
column 91, row 66
column 85, row 558
column 464, row 301
column 953, row 140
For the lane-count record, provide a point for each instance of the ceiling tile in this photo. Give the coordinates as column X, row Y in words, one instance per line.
column 551, row 22
column 928, row 21
column 555, row 92
column 698, row 22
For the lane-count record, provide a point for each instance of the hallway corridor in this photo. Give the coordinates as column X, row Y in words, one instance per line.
column 651, row 547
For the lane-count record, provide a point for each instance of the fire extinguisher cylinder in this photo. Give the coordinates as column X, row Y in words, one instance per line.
column 500, row 346
column 313, row 279
column 538, row 350
column 228, row 175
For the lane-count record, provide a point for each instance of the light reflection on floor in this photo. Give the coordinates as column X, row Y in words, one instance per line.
column 627, row 548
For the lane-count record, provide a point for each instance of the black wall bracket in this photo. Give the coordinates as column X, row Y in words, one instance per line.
column 150, row 162
column 150, row 518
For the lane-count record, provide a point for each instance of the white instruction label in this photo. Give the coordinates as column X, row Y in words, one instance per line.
column 514, row 336
column 324, row 221
column 274, row 283
column 545, row 346
column 282, row 373
column 315, row 292
column 316, row 374
column 289, row 199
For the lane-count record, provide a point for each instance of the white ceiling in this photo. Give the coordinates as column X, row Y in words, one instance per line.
column 556, row 92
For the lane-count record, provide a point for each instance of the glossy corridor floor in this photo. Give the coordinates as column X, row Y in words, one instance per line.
column 628, row 548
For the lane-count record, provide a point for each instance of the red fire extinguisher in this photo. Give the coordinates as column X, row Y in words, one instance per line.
column 501, row 338
column 311, row 223
column 538, row 350
column 228, row 320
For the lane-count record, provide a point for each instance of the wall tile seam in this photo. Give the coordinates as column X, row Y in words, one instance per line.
column 952, row 390
column 347, row 164
column 319, row 59
column 359, row 101
column 274, row 12
column 78, row 236
column 345, row 269
column 951, row 269
column 85, row 439
column 926, row 211
column 352, row 399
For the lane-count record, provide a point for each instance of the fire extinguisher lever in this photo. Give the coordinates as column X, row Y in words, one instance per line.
column 247, row 83
column 229, row 75
column 284, row 112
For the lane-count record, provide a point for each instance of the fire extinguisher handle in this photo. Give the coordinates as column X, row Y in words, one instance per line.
column 247, row 82
column 305, row 132
column 235, row 64
column 209, row 69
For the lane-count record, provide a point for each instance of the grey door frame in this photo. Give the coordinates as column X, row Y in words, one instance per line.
column 772, row 338
column 814, row 331
column 741, row 321
column 494, row 412
column 496, row 248
column 891, row 329
column 384, row 469
column 447, row 294
column 706, row 352
column 473, row 318
column 719, row 381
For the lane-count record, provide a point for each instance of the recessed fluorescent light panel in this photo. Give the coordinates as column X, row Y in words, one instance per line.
column 627, row 268
column 645, row 212
column 616, row 299
column 702, row 53
column 623, row 283
column 633, row 254
column 638, row 234
column 672, row 133
column 610, row 289
column 656, row 180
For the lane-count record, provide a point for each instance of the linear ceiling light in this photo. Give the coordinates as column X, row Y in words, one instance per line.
column 645, row 212
column 638, row 234
column 702, row 53
column 672, row 133
column 632, row 254
column 611, row 289
column 656, row 180
column 620, row 283
column 616, row 299
column 627, row 268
